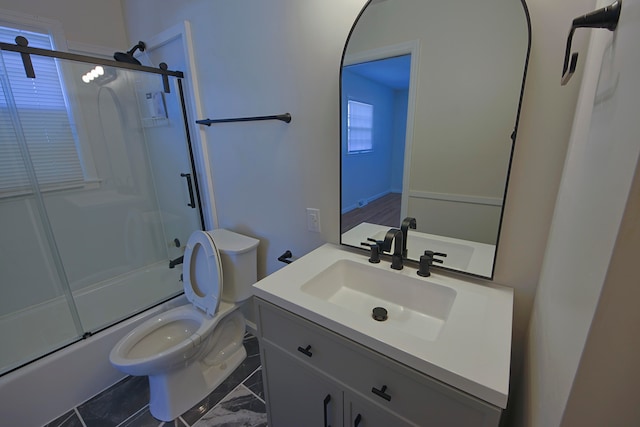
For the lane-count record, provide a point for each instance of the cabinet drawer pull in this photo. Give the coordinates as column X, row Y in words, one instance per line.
column 382, row 393
column 306, row 351
column 326, row 407
column 356, row 422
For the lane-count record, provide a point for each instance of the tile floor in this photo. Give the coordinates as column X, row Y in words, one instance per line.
column 237, row 402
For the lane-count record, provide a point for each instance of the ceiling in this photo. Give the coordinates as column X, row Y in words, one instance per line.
column 393, row 72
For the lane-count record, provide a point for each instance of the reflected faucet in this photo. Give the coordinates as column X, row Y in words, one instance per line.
column 407, row 223
column 396, row 258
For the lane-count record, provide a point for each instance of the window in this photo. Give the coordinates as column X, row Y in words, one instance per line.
column 359, row 127
column 40, row 106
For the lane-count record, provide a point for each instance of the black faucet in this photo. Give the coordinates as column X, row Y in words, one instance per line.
column 407, row 223
column 396, row 258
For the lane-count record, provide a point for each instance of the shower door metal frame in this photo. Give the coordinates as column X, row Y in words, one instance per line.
column 25, row 51
column 85, row 58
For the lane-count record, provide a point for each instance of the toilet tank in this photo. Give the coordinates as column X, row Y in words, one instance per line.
column 239, row 258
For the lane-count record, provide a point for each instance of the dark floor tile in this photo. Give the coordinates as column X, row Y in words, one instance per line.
column 251, row 345
column 117, row 403
column 205, row 405
column 141, row 419
column 254, row 383
column 250, row 364
column 240, row 409
column 70, row 419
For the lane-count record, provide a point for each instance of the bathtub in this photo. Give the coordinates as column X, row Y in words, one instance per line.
column 40, row 391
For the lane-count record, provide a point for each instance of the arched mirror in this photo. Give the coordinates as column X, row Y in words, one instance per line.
column 430, row 100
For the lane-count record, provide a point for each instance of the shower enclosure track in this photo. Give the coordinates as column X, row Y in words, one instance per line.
column 84, row 58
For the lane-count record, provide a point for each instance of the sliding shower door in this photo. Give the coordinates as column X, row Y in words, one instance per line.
column 104, row 197
column 36, row 310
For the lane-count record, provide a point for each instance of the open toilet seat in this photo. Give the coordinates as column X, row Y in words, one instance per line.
column 187, row 351
column 202, row 272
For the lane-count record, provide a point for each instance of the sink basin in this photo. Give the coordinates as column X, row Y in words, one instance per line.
column 413, row 306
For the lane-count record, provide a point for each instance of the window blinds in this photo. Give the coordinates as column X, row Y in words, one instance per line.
column 43, row 116
column 359, row 127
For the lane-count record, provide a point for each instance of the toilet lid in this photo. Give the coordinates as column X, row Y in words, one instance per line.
column 202, row 272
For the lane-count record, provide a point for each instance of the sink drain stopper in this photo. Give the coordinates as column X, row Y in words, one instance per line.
column 379, row 314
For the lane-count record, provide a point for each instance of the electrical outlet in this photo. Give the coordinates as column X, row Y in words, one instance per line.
column 313, row 220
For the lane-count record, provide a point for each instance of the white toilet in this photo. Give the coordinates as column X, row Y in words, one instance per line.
column 189, row 350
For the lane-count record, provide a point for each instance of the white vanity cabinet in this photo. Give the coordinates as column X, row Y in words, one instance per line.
column 299, row 396
column 315, row 377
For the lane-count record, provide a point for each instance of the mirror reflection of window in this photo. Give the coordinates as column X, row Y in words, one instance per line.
column 359, row 127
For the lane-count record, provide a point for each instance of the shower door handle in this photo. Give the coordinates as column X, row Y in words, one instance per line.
column 192, row 205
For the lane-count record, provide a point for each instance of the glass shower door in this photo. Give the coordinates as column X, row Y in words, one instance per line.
column 37, row 313
column 106, row 213
column 118, row 232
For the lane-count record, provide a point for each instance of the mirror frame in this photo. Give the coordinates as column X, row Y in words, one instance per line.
column 513, row 144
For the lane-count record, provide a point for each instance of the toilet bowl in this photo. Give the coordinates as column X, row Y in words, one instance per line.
column 188, row 351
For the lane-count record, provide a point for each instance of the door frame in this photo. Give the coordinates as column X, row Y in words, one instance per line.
column 193, row 105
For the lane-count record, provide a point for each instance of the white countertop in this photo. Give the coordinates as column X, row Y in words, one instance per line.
column 471, row 353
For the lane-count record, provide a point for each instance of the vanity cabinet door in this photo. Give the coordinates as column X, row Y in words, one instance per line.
column 297, row 395
column 416, row 397
column 301, row 347
column 359, row 412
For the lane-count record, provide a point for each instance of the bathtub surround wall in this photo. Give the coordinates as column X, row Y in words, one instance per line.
column 48, row 322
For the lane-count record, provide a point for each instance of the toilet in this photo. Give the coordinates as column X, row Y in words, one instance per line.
column 188, row 351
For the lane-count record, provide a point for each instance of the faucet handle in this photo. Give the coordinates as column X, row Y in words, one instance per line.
column 427, row 260
column 374, row 258
column 433, row 254
column 425, row 264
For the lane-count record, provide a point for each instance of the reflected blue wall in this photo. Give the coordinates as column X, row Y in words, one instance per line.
column 367, row 176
